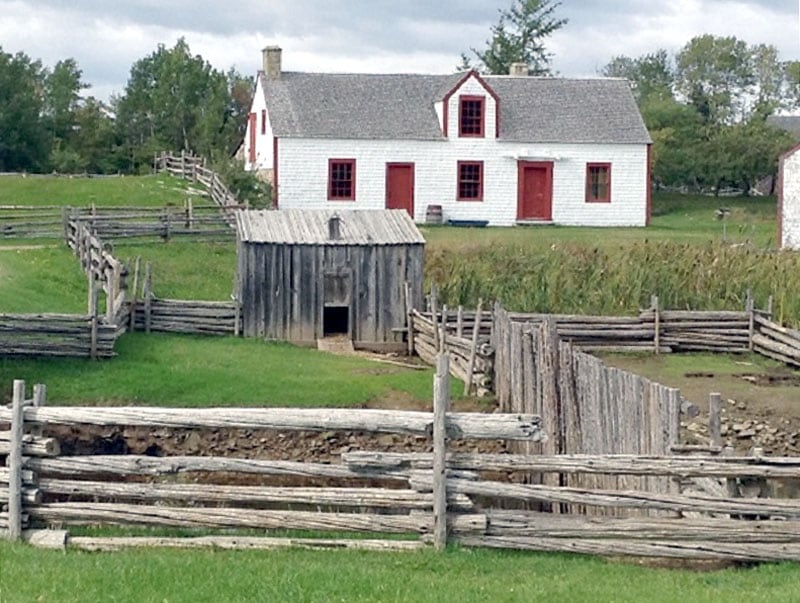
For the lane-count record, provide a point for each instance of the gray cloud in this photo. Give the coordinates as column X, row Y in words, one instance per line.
column 367, row 35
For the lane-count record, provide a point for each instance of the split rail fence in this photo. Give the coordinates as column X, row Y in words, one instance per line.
column 200, row 222
column 429, row 498
column 31, row 222
column 654, row 330
column 192, row 167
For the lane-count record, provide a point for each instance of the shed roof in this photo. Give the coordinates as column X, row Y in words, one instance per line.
column 402, row 106
column 310, row 227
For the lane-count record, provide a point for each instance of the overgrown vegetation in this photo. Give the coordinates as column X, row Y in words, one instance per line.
column 246, row 186
column 603, row 279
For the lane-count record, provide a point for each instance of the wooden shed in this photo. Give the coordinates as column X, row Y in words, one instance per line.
column 307, row 274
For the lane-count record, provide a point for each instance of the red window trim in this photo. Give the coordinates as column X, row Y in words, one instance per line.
column 352, row 164
column 471, row 98
column 489, row 90
column 481, row 177
column 263, row 121
column 590, row 198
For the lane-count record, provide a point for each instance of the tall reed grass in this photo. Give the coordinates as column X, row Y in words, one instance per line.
column 616, row 279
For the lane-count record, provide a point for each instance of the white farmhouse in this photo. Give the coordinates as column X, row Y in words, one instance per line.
column 789, row 199
column 498, row 149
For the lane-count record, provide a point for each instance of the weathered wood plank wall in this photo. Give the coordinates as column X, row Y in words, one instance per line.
column 283, row 293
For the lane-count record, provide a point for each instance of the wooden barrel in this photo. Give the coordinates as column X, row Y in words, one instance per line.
column 434, row 214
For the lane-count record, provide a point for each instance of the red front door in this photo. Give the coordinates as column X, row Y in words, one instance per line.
column 400, row 186
column 535, row 190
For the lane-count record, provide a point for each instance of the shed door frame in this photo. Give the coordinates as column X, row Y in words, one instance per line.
column 337, row 292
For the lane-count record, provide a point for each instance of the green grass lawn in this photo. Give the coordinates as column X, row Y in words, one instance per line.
column 159, row 575
column 111, row 191
column 42, row 280
column 184, row 370
column 676, row 217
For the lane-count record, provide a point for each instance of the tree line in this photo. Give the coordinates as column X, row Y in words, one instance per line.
column 707, row 110
column 706, row 107
column 173, row 100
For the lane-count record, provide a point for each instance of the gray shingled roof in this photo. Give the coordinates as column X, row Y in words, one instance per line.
column 310, row 227
column 533, row 110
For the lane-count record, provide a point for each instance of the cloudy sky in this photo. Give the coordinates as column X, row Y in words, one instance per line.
column 426, row 36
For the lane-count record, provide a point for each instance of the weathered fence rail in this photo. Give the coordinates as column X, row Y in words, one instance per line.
column 192, row 167
column 186, row 316
column 32, row 222
column 196, row 221
column 56, row 335
column 776, row 341
column 471, row 354
column 74, row 490
column 103, row 270
column 433, row 497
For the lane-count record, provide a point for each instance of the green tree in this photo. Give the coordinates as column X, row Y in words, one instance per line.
column 676, row 130
column 715, row 75
column 651, row 75
column 63, row 87
column 791, row 94
column 23, row 137
column 174, row 101
column 94, row 139
column 518, row 37
column 769, row 76
column 240, row 90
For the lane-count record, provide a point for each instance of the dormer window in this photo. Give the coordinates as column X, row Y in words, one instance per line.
column 471, row 116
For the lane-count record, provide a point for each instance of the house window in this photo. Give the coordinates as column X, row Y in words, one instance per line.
column 263, row 121
column 342, row 180
column 470, row 181
column 471, row 111
column 598, row 182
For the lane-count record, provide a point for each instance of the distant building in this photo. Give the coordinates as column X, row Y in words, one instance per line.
column 500, row 149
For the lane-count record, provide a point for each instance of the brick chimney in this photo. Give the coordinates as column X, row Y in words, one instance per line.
column 518, row 69
column 271, row 59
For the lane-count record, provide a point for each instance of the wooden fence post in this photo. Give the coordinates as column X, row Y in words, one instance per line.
column 146, row 296
column 750, row 309
column 443, row 338
column 132, row 321
column 476, row 327
column 409, row 318
column 15, row 462
column 435, row 317
column 93, row 298
column 441, row 403
column 657, row 323
column 715, row 419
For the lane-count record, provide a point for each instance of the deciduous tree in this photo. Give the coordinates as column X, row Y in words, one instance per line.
column 23, row 137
